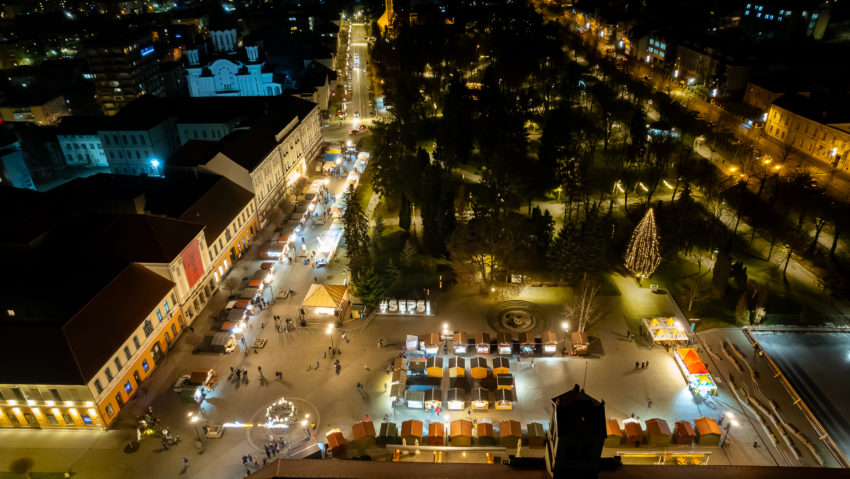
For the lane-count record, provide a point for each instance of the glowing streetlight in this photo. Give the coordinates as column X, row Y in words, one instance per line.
column 330, row 332
column 566, row 327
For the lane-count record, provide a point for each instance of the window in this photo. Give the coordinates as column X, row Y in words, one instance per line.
column 174, row 330
column 165, row 303
column 173, row 299
column 105, row 138
column 115, row 139
column 136, row 342
column 55, row 393
column 124, row 139
column 142, row 140
column 86, row 419
column 127, row 352
column 117, row 361
column 10, row 313
column 97, row 386
column 148, row 328
column 145, row 366
column 128, row 387
column 133, row 137
column 109, row 410
column 158, row 315
column 108, row 373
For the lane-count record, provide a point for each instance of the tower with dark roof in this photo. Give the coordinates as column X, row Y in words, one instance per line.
column 576, row 435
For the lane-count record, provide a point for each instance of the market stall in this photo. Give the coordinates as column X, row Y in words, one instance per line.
column 536, row 436
column 328, row 163
column 329, row 242
column 505, row 381
column 434, row 366
column 388, row 434
column 461, row 342
column 613, row 433
column 479, row 398
column 326, row 299
column 666, row 331
column 415, row 399
column 364, row 435
column 416, row 366
column 436, row 434
column 526, row 344
column 580, row 343
column 632, row 432
column 504, row 399
column 683, row 433
column 657, row 432
column 411, row 431
column 455, row 399
column 397, row 392
column 501, row 365
column 433, row 399
column 482, row 343
column 336, row 443
column 267, row 266
column 485, row 433
column 250, row 293
column 411, row 342
column 432, row 344
column 550, row 342
column 696, row 373
column 457, row 367
column 505, row 343
column 271, row 250
column 478, row 367
column 510, row 433
column 707, row 431
column 460, row 433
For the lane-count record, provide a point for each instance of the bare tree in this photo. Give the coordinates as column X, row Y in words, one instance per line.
column 694, row 290
column 583, row 311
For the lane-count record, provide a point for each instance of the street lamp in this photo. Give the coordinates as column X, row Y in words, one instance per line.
column 787, row 259
column 566, row 327
column 193, row 419
column 558, row 189
column 330, row 332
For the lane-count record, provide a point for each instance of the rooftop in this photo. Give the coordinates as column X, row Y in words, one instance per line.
column 821, row 108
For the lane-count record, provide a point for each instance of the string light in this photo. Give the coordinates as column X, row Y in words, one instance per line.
column 642, row 255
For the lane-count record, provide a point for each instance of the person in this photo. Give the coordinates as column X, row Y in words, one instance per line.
column 647, row 364
column 359, row 386
column 325, row 355
column 649, row 403
column 532, row 362
column 637, row 364
column 238, row 373
column 385, row 387
column 386, row 417
column 756, row 444
column 367, row 418
column 381, row 343
column 317, row 365
column 185, row 464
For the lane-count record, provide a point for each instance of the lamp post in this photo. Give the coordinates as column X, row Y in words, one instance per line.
column 732, row 422
column 787, row 259
column 193, row 419
column 330, row 332
column 566, row 327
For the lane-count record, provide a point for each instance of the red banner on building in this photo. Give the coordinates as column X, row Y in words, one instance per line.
column 192, row 263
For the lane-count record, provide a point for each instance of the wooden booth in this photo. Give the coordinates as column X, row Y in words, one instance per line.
column 411, row 431
column 683, row 433
column 633, row 433
column 414, row 399
column 478, row 367
column 433, row 399
column 504, row 399
column 708, row 432
column 550, row 343
column 485, row 434
column 479, row 398
column 505, row 381
column 436, row 434
column 510, row 433
column 482, row 343
column 364, row 435
column 457, row 367
column 536, row 436
column 657, row 432
column 613, row 433
column 460, row 433
column 388, row 434
column 580, row 343
column 455, row 399
column 501, row 365
column 336, row 443
column 505, row 343
column 434, row 366
column 461, row 342
column 432, row 344
column 526, row 344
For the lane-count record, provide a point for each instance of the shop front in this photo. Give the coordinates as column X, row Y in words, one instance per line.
column 550, row 343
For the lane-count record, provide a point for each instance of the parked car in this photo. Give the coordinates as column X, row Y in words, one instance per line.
column 353, row 132
column 181, row 381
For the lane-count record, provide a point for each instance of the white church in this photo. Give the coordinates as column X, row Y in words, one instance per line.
column 227, row 71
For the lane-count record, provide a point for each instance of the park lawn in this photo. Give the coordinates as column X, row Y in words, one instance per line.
column 364, row 187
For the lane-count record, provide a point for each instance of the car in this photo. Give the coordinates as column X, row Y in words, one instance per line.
column 353, row 132
column 181, row 381
column 361, row 127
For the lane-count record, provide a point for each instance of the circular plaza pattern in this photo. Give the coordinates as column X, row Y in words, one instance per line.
column 516, row 316
column 297, row 429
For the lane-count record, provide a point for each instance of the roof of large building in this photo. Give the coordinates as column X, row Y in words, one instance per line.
column 821, row 108
column 147, row 239
column 112, row 316
column 577, row 412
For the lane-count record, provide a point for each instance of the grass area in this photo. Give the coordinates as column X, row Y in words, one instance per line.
column 364, row 188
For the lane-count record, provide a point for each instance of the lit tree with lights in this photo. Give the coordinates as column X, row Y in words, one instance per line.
column 642, row 256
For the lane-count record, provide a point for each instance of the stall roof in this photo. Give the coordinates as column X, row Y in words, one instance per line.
column 434, row 362
column 397, row 390
column 548, row 337
column 632, row 430
column 505, row 338
column 612, row 428
column 457, row 362
column 436, row 429
column 510, row 428
column 411, row 427
column 485, row 429
column 432, row 338
column 482, row 338
column 235, row 315
column 479, row 394
column 331, row 157
column 461, row 338
column 525, row 338
column 335, row 440
column 363, row 429
column 536, row 429
column 692, row 361
column 478, row 362
column 504, row 395
column 460, row 427
column 434, row 394
column 501, row 362
column 684, row 428
column 706, row 425
column 325, row 295
column 399, row 376
column 454, row 394
column 657, row 427
column 412, row 395
column 388, row 429
column 579, row 337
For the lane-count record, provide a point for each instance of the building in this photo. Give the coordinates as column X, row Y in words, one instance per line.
column 80, row 143
column 16, row 172
column 34, row 109
column 787, row 18
column 124, row 68
column 228, row 71
column 576, row 435
column 316, row 84
column 816, row 125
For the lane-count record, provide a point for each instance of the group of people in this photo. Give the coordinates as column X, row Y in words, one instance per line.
column 641, row 364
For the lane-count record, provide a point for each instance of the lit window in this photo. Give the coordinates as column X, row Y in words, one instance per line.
column 158, row 315
column 663, row 46
column 758, row 15
column 165, row 303
column 10, row 313
column 746, row 12
column 749, row 5
column 782, row 12
column 145, row 366
column 128, row 387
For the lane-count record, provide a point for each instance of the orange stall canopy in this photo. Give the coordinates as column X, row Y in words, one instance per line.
column 692, row 361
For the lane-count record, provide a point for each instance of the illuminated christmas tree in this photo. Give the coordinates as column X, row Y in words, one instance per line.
column 642, row 255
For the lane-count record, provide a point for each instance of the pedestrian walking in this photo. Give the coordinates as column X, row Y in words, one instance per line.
column 647, row 364
column 185, row 465
column 649, row 403
column 260, row 370
column 238, row 373
column 386, row 417
column 256, row 462
column 244, row 460
column 231, row 371
column 367, row 418
column 325, row 355
column 385, row 387
column 380, row 343
column 756, row 445
column 317, row 365
column 245, row 374
column 637, row 364
column 643, row 364
column 532, row 362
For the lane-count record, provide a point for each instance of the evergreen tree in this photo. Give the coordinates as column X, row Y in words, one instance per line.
column 356, row 234
column 377, row 233
column 642, row 255
column 370, row 287
column 392, row 273
column 404, row 213
column 408, row 252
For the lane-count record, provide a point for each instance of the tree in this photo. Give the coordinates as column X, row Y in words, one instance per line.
column 582, row 311
column 370, row 287
column 393, row 274
column 694, row 290
column 404, row 213
column 355, row 233
column 642, row 255
column 578, row 249
column 377, row 232
column 408, row 252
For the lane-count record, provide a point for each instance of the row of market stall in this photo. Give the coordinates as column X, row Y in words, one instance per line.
column 704, row 431
column 458, row 433
column 504, row 343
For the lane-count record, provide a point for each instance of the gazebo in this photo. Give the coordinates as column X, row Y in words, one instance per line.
column 683, row 433
column 536, row 435
column 478, row 367
column 510, row 432
column 364, row 435
column 633, row 432
column 460, row 433
column 485, row 434
column 336, row 443
column 411, row 431
column 388, row 434
column 457, row 367
column 657, row 432
column 501, row 365
column 434, row 366
column 461, row 342
column 479, row 398
column 436, row 434
column 613, row 433
column 327, row 299
column 708, row 432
